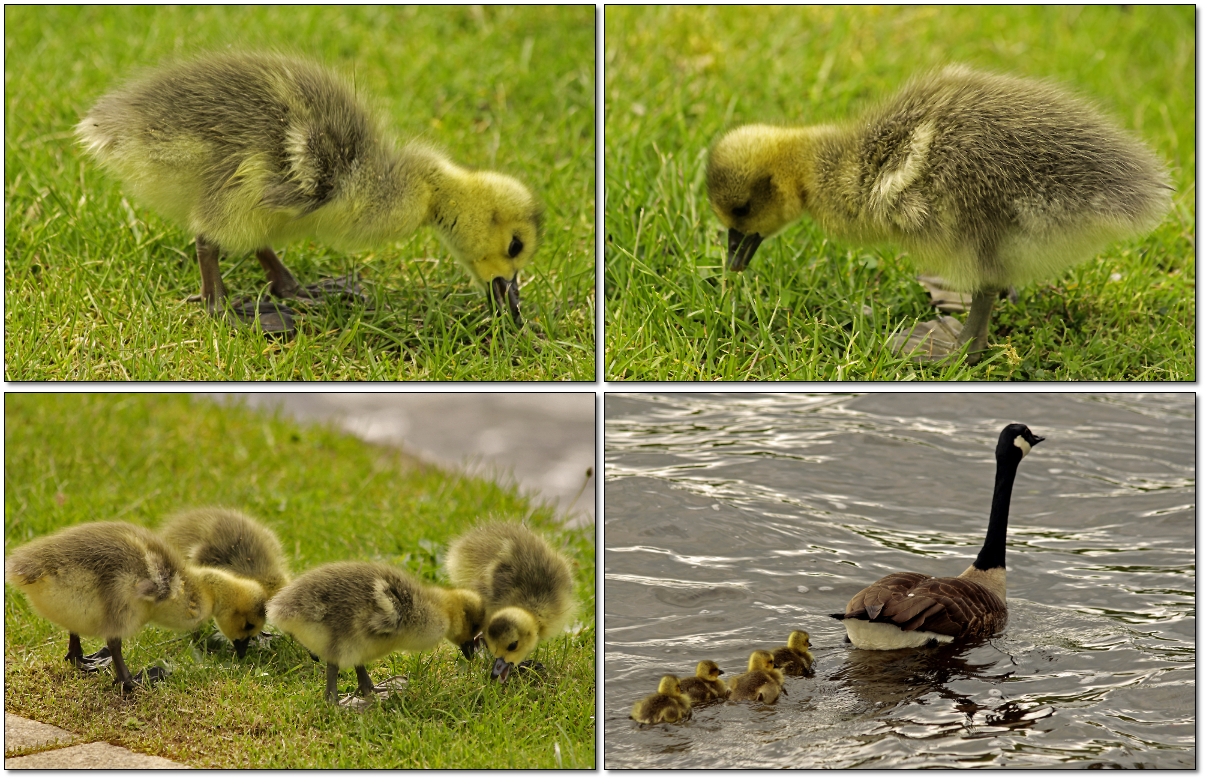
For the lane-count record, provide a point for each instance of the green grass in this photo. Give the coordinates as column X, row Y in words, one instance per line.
column 808, row 308
column 96, row 284
column 73, row 458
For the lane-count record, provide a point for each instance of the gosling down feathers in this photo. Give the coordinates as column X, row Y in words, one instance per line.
column 668, row 705
column 524, row 582
column 232, row 541
column 908, row 609
column 247, row 151
column 795, row 658
column 762, row 682
column 351, row 613
column 989, row 181
column 109, row 579
column 705, row 685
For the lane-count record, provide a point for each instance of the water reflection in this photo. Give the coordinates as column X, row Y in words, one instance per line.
column 731, row 519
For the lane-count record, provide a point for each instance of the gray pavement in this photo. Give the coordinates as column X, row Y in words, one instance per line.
column 545, row 440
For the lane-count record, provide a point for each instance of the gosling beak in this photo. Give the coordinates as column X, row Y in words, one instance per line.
column 507, row 291
column 469, row 646
column 241, row 646
column 742, row 248
column 501, row 670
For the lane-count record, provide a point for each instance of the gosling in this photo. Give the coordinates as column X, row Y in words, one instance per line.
column 989, row 181
column 762, row 682
column 351, row 613
column 247, row 151
column 705, row 686
column 668, row 705
column 525, row 584
column 232, row 541
column 795, row 658
column 109, row 579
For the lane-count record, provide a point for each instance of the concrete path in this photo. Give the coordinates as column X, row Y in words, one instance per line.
column 24, row 735
column 546, row 440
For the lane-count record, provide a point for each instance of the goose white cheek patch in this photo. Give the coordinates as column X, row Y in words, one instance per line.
column 1023, row 445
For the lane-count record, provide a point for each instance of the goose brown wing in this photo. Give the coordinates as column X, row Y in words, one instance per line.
column 944, row 605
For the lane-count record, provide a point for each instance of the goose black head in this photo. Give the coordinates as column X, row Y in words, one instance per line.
column 1015, row 442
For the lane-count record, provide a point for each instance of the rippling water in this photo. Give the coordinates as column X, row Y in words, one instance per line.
column 732, row 519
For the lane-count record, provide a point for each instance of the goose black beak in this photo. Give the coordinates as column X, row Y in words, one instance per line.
column 501, row 670
column 241, row 646
column 506, row 292
column 742, row 249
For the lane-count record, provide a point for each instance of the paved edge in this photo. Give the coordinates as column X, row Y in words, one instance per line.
column 88, row 756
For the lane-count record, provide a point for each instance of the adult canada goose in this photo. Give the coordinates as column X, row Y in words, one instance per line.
column 525, row 583
column 908, row 609
column 350, row 613
column 232, row 541
column 669, row 704
column 705, row 685
column 109, row 579
column 795, row 658
column 989, row 181
column 762, row 682
column 248, row 151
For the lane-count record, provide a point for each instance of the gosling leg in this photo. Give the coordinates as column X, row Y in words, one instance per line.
column 977, row 325
column 75, row 651
column 333, row 672
column 283, row 284
column 213, row 293
column 363, row 680
column 119, row 665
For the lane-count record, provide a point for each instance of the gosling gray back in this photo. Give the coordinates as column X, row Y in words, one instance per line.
column 307, row 123
column 1001, row 158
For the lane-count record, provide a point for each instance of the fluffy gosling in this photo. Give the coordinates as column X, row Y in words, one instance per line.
column 989, row 181
column 705, row 686
column 248, row 151
column 762, row 682
column 230, row 540
column 795, row 658
column 669, row 704
column 351, row 613
column 109, row 579
column 525, row 583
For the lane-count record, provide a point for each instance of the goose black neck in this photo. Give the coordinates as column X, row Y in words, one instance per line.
column 993, row 554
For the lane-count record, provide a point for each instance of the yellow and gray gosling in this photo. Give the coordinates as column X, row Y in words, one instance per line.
column 524, row 582
column 705, row 685
column 762, row 682
column 230, row 540
column 248, row 151
column 109, row 579
column 668, row 705
column 795, row 658
column 989, row 181
column 351, row 613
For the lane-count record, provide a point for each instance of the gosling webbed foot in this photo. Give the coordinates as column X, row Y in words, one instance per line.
column 345, row 287
column 275, row 320
column 142, row 679
column 929, row 341
column 95, row 662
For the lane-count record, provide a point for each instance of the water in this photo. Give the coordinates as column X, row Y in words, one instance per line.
column 732, row 519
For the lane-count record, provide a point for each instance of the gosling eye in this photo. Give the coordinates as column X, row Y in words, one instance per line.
column 247, row 627
column 742, row 210
column 515, row 248
column 512, row 647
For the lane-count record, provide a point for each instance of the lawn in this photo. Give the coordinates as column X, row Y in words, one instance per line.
column 74, row 458
column 808, row 307
column 96, row 284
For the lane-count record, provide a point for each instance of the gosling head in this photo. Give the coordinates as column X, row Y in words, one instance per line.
column 466, row 619
column 669, row 686
column 239, row 610
column 761, row 660
column 708, row 670
column 494, row 233
column 510, row 636
column 798, row 641
column 753, row 188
